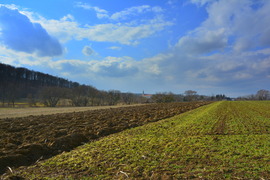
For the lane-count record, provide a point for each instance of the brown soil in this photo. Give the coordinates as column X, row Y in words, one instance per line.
column 35, row 111
column 26, row 140
column 220, row 126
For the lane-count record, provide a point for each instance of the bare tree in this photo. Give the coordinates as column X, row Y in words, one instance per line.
column 51, row 95
column 31, row 100
column 3, row 94
column 92, row 95
column 127, row 98
column 190, row 95
column 163, row 97
column 80, row 96
column 113, row 97
column 101, row 98
column 12, row 93
column 263, row 94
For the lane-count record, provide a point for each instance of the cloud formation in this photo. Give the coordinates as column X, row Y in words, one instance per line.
column 135, row 11
column 17, row 32
column 121, row 15
column 87, row 50
column 203, row 41
column 114, row 48
column 114, row 67
column 123, row 33
column 228, row 52
column 201, row 2
column 101, row 13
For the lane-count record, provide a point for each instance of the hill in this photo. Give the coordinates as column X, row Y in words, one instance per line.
column 17, row 83
column 32, row 87
column 223, row 140
column 28, row 79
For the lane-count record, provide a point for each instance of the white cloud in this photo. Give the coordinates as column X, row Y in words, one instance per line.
column 68, row 17
column 227, row 66
column 134, row 11
column 128, row 33
column 87, row 51
column 203, row 41
column 233, row 25
column 124, row 34
column 112, row 67
column 83, row 5
column 115, row 48
column 121, row 15
column 10, row 6
column 242, row 76
column 19, row 33
column 201, row 2
column 101, row 13
column 246, row 26
column 64, row 29
column 154, row 69
column 156, row 66
column 130, row 11
column 17, row 58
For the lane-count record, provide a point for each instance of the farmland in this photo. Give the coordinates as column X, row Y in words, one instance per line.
column 222, row 140
column 36, row 111
column 24, row 140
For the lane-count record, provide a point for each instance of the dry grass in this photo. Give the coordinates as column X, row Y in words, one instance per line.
column 23, row 112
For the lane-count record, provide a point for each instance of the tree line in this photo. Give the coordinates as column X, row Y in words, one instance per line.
column 189, row 95
column 17, row 83
column 40, row 88
column 36, row 87
column 85, row 96
column 261, row 95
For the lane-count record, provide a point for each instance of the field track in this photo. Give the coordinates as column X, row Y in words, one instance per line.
column 36, row 111
column 24, row 140
column 222, row 140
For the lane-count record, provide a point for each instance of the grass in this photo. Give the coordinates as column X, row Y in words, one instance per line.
column 223, row 140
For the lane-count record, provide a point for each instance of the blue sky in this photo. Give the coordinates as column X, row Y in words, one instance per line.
column 211, row 46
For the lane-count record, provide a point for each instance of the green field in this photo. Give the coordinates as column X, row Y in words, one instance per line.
column 223, row 140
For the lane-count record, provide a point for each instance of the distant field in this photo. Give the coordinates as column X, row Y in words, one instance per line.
column 35, row 111
column 222, row 140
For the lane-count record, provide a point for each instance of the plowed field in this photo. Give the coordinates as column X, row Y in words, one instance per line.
column 222, row 140
column 26, row 140
column 36, row 111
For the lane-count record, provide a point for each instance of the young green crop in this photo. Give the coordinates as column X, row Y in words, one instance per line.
column 223, row 140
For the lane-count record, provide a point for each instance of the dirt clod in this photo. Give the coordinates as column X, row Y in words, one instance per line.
column 25, row 140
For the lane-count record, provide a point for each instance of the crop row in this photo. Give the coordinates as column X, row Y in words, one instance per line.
column 25, row 140
column 223, row 140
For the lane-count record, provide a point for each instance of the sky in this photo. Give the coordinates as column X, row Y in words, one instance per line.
column 210, row 46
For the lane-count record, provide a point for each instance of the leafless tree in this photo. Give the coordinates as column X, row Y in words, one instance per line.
column 165, row 97
column 113, row 97
column 190, row 95
column 263, row 94
column 127, row 98
column 51, row 95
column 79, row 96
column 31, row 100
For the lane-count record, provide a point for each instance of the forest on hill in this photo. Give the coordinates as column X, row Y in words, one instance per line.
column 35, row 87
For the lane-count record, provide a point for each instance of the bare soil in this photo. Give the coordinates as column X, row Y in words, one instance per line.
column 35, row 111
column 25, row 140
